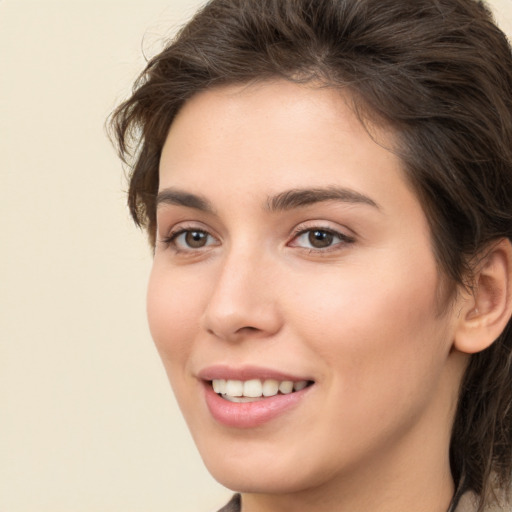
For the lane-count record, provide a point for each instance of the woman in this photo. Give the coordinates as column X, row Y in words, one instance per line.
column 328, row 190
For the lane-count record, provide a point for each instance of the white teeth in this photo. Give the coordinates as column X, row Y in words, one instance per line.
column 270, row 387
column 219, row 386
column 286, row 387
column 253, row 388
column 247, row 391
column 234, row 388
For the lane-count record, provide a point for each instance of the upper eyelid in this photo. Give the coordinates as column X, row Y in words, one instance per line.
column 323, row 225
column 174, row 233
column 337, row 233
column 185, row 225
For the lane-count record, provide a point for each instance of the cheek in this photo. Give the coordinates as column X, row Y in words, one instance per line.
column 381, row 348
column 173, row 311
column 358, row 300
column 375, row 327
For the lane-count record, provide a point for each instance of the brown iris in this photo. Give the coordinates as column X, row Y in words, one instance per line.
column 320, row 239
column 196, row 239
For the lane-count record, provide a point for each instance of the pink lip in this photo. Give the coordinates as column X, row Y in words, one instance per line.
column 250, row 414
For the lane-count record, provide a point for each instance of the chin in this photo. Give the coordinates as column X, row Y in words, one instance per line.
column 249, row 482
column 261, row 473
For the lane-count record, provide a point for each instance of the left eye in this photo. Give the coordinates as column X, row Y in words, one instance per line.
column 319, row 239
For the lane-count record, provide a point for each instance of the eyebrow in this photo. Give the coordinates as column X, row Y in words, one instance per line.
column 177, row 197
column 298, row 198
column 287, row 200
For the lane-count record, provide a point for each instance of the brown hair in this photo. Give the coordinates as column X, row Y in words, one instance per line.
column 439, row 72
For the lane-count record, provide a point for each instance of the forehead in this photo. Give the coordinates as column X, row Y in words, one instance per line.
column 274, row 129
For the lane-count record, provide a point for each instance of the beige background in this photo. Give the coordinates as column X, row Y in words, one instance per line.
column 87, row 420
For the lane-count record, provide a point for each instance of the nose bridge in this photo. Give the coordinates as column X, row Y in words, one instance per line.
column 242, row 299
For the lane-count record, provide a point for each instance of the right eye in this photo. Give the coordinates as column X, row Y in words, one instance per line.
column 190, row 239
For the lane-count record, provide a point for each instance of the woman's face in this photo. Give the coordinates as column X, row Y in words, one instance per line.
column 291, row 252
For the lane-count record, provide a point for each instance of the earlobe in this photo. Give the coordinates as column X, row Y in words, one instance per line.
column 487, row 308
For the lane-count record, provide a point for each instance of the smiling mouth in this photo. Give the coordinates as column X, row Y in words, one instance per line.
column 253, row 390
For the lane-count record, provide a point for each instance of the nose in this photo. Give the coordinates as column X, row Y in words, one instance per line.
column 243, row 303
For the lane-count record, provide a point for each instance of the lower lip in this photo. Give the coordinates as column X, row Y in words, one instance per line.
column 250, row 414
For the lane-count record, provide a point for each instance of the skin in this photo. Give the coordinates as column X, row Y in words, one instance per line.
column 360, row 316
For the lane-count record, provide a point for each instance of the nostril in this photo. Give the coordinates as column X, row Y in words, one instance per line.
column 249, row 329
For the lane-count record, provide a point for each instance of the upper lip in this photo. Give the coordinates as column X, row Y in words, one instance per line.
column 244, row 373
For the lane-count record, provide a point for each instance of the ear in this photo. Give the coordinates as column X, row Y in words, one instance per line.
column 487, row 308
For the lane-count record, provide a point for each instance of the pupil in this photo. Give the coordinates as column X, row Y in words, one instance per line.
column 319, row 239
column 195, row 239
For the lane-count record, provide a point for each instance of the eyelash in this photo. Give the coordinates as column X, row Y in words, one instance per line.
column 300, row 231
column 170, row 240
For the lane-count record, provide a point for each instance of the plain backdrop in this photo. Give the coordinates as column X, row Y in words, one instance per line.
column 87, row 418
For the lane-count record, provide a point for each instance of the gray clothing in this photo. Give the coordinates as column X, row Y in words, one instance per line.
column 465, row 504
